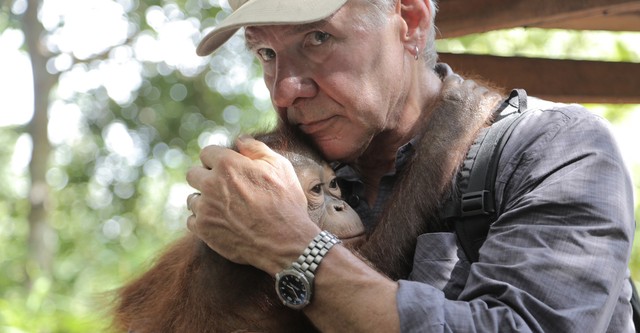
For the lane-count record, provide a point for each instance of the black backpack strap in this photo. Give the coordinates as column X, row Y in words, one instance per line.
column 635, row 305
column 476, row 208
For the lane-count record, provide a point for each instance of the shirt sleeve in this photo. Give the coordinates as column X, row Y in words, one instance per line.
column 556, row 258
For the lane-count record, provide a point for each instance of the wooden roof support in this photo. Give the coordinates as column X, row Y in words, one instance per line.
column 557, row 80
column 461, row 17
column 624, row 21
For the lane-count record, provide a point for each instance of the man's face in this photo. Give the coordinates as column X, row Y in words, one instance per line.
column 342, row 81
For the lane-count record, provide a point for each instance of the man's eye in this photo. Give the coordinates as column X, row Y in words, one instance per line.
column 266, row 54
column 317, row 38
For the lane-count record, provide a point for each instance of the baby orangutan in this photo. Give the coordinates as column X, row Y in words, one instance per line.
column 193, row 289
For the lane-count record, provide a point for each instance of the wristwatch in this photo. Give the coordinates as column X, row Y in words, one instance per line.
column 294, row 284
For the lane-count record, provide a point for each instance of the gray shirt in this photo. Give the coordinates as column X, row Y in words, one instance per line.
column 556, row 258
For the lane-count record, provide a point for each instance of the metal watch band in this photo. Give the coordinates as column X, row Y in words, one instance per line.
column 309, row 260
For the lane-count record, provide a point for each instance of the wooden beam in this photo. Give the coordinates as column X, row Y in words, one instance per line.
column 461, row 17
column 557, row 80
column 628, row 21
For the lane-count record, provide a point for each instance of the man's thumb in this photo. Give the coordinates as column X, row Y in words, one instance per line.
column 252, row 148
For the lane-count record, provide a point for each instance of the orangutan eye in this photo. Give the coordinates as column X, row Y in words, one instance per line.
column 317, row 38
column 317, row 189
column 333, row 183
column 266, row 54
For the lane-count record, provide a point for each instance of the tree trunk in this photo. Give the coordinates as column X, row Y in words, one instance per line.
column 40, row 242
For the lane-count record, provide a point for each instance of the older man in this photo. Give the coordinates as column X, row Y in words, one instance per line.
column 360, row 78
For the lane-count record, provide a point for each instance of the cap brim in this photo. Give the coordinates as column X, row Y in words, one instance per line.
column 267, row 12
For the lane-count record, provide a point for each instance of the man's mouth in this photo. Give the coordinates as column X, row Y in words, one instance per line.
column 316, row 126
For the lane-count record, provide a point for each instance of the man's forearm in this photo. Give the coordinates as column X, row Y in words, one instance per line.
column 350, row 296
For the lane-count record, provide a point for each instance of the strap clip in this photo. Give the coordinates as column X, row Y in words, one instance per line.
column 477, row 203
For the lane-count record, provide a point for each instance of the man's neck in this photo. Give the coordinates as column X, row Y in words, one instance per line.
column 380, row 156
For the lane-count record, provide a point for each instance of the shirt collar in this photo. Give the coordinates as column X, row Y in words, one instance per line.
column 403, row 155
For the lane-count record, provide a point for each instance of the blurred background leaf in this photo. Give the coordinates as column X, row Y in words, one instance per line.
column 128, row 108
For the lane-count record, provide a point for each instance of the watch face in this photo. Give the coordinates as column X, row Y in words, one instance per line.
column 293, row 289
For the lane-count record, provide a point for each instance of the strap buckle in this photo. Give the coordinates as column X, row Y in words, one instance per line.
column 477, row 203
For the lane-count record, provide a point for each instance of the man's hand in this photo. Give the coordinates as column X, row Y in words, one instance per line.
column 252, row 209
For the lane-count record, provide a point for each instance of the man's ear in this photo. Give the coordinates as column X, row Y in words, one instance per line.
column 416, row 15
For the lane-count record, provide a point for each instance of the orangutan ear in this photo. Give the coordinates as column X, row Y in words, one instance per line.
column 416, row 15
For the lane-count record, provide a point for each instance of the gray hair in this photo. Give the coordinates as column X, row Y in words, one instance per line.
column 429, row 54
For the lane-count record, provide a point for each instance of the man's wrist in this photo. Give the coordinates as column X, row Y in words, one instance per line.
column 294, row 285
column 310, row 258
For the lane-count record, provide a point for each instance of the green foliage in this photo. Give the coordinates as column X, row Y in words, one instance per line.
column 548, row 43
column 118, row 191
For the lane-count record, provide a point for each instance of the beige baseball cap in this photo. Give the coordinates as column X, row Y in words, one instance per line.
column 266, row 12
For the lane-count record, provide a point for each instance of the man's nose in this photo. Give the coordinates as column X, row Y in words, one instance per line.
column 292, row 82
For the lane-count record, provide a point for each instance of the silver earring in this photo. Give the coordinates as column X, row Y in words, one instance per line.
column 417, row 52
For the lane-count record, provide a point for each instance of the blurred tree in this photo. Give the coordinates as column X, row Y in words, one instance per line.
column 129, row 108
column 39, row 248
column 116, row 124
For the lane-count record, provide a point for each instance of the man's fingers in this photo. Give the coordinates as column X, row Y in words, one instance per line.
column 196, row 175
column 254, row 149
column 209, row 155
column 247, row 147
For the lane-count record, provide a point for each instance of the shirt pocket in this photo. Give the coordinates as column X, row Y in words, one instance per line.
column 434, row 258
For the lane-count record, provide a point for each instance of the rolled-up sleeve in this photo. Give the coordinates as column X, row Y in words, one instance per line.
column 556, row 258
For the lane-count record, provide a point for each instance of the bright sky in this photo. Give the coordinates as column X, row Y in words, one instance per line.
column 93, row 26
column 16, row 84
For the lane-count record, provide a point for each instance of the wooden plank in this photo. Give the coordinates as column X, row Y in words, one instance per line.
column 628, row 21
column 461, row 17
column 557, row 80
